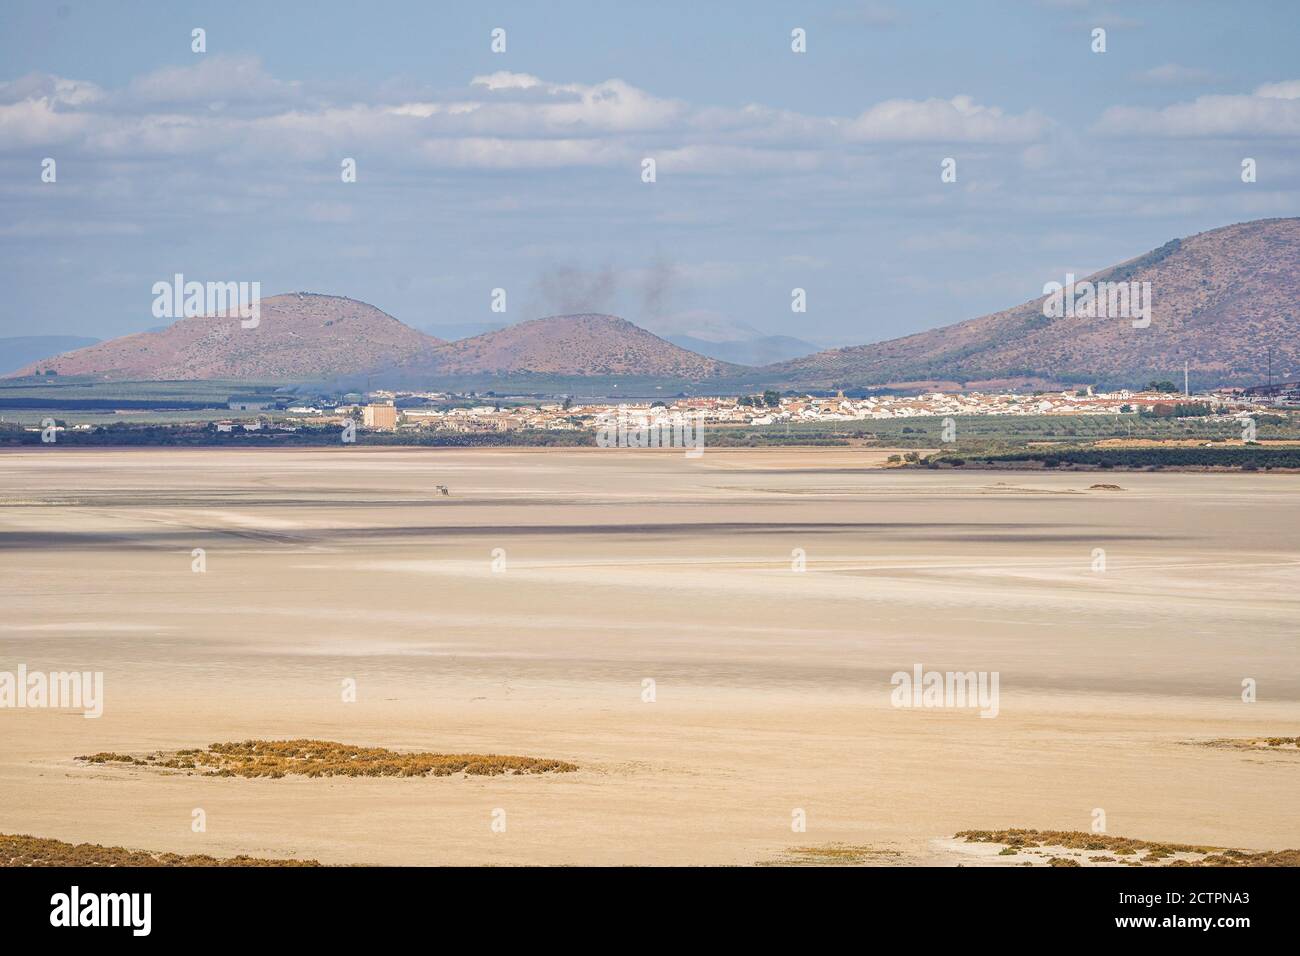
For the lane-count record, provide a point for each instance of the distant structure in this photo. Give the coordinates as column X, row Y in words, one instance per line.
column 380, row 417
column 1277, row 393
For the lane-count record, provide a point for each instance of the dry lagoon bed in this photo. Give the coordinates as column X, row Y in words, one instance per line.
column 537, row 609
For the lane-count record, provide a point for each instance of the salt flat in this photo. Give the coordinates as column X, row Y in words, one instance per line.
column 525, row 612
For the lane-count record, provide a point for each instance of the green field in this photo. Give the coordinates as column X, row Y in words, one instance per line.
column 997, row 432
column 1251, row 457
column 77, row 401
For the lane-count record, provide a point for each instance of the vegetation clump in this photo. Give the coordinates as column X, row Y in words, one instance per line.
column 1254, row 743
column 1155, row 853
column 22, row 850
column 324, row 758
column 832, row 854
column 1249, row 457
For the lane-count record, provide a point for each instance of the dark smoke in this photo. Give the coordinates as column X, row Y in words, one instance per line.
column 566, row 290
column 660, row 284
column 569, row 290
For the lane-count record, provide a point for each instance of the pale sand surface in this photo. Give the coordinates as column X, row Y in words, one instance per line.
column 772, row 686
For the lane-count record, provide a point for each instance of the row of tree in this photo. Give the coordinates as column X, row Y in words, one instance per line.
column 771, row 398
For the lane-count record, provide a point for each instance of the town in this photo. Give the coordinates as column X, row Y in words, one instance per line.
column 398, row 411
column 446, row 417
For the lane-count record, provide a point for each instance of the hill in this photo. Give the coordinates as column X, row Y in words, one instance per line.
column 1219, row 300
column 574, row 345
column 300, row 335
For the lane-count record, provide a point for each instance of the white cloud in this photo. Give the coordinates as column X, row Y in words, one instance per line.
column 37, row 122
column 959, row 119
column 42, row 110
column 1272, row 110
column 232, row 110
column 612, row 105
column 505, row 80
column 56, row 91
column 1286, row 90
column 479, row 152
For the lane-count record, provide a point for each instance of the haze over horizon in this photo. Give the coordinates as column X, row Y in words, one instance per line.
column 522, row 170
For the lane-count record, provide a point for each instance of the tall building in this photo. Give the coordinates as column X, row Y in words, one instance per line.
column 379, row 416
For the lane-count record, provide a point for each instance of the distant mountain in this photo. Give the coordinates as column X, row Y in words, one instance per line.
column 574, row 345
column 1220, row 300
column 309, row 336
column 21, row 350
column 300, row 336
column 763, row 350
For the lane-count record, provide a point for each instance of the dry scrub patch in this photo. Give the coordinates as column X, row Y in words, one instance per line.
column 1069, row 848
column 1267, row 744
column 833, row 854
column 324, row 758
column 37, row 851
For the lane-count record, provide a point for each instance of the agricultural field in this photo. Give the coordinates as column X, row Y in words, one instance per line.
column 992, row 432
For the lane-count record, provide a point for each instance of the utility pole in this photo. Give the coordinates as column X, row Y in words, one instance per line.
column 1187, row 392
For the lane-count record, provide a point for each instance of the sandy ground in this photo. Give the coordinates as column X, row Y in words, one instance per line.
column 772, row 686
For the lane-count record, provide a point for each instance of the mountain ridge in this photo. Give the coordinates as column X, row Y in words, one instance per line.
column 590, row 343
column 1219, row 299
column 344, row 335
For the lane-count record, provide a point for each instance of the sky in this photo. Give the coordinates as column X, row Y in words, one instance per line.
column 523, row 170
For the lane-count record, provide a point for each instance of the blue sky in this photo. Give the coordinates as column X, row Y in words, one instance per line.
column 521, row 170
